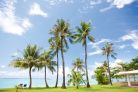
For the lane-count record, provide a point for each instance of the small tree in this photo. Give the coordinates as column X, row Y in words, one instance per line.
column 101, row 75
column 75, row 78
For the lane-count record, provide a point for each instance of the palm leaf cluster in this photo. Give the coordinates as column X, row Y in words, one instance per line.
column 61, row 34
column 75, row 78
column 33, row 59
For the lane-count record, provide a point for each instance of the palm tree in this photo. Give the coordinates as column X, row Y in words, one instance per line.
column 108, row 51
column 64, row 34
column 55, row 47
column 78, row 64
column 28, row 60
column 76, row 78
column 83, row 34
column 45, row 61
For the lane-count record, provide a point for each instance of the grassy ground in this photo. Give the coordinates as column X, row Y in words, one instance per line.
column 72, row 89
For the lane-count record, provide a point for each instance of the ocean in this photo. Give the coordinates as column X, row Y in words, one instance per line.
column 39, row 82
column 36, row 82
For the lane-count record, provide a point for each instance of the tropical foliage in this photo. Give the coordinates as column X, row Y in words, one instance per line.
column 33, row 58
column 109, row 51
column 82, row 35
column 75, row 78
column 45, row 60
column 101, row 75
column 78, row 65
column 61, row 33
column 28, row 60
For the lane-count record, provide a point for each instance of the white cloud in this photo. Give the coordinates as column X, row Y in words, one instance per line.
column 36, row 10
column 116, row 62
column 122, row 3
column 3, row 66
column 96, row 52
column 92, row 68
column 109, row 1
column 9, row 22
column 67, row 71
column 122, row 46
column 96, row 47
column 95, row 2
column 26, row 23
column 37, row 74
column 106, row 9
column 22, row 74
column 132, row 36
column 55, row 2
column 116, row 3
column 14, row 74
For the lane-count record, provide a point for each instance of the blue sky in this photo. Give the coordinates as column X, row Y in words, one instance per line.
column 29, row 21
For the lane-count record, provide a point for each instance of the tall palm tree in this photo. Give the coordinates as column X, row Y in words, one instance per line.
column 55, row 47
column 109, row 51
column 78, row 64
column 64, row 34
column 83, row 34
column 45, row 61
column 28, row 60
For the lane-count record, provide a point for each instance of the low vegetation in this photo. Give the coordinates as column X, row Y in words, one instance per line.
column 97, row 88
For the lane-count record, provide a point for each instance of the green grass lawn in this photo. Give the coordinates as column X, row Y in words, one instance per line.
column 72, row 89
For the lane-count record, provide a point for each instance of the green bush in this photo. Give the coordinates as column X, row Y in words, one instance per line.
column 101, row 75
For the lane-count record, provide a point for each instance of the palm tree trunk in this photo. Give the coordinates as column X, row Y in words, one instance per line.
column 46, row 79
column 57, row 69
column 63, row 64
column 87, row 79
column 30, row 77
column 110, row 80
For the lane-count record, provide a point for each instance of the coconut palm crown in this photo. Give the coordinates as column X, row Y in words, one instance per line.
column 78, row 64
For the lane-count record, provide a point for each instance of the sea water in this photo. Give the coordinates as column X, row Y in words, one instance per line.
column 36, row 82
column 40, row 82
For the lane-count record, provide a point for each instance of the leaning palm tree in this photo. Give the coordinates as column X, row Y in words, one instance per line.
column 64, row 34
column 83, row 34
column 108, row 51
column 54, row 42
column 78, row 64
column 45, row 61
column 28, row 60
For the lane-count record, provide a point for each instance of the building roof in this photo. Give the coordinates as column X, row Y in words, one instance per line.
column 128, row 72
